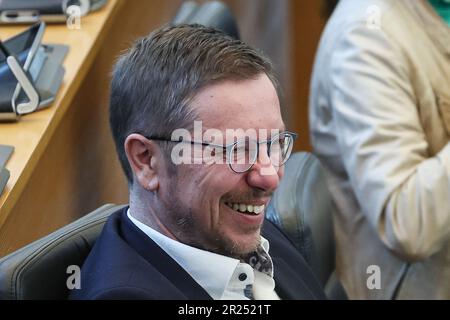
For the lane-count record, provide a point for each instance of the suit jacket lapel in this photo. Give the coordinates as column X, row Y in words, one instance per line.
column 160, row 260
column 288, row 285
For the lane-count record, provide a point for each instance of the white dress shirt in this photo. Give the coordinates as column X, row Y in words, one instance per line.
column 222, row 277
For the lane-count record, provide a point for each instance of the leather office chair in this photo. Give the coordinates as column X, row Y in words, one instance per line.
column 213, row 14
column 39, row 270
column 301, row 206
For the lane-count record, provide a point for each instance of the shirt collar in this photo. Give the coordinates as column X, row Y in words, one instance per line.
column 210, row 270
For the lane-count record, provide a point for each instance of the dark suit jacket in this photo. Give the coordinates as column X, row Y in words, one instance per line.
column 126, row 264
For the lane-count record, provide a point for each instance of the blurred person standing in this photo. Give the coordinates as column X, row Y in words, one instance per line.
column 380, row 124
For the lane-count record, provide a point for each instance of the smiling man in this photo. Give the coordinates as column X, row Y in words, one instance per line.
column 196, row 230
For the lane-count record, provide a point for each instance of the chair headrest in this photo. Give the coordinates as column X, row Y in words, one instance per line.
column 213, row 14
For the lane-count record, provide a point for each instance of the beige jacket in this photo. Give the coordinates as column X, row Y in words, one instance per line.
column 380, row 124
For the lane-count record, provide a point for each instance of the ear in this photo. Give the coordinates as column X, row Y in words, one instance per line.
column 144, row 157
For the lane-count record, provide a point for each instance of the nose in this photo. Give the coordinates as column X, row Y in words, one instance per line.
column 263, row 174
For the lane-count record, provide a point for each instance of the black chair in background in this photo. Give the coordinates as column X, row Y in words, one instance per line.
column 211, row 14
column 303, row 208
column 185, row 11
column 38, row 271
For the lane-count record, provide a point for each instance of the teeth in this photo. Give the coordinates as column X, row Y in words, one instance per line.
column 249, row 208
column 258, row 209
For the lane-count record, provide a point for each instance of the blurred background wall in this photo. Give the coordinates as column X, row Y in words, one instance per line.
column 288, row 31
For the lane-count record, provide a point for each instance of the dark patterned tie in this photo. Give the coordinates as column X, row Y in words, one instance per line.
column 259, row 260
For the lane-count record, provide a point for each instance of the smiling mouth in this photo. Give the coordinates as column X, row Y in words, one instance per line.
column 249, row 209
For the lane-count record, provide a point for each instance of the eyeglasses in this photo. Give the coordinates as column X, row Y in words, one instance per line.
column 242, row 154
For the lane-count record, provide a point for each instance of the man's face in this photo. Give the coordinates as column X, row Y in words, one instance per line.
column 199, row 197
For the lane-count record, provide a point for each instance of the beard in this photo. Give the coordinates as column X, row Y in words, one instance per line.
column 188, row 229
column 238, row 250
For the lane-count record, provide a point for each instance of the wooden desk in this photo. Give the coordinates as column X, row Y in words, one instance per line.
column 64, row 164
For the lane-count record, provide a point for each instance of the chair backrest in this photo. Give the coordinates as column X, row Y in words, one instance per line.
column 303, row 207
column 39, row 270
column 213, row 14
column 184, row 12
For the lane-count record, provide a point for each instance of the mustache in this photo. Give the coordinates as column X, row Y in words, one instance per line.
column 253, row 194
